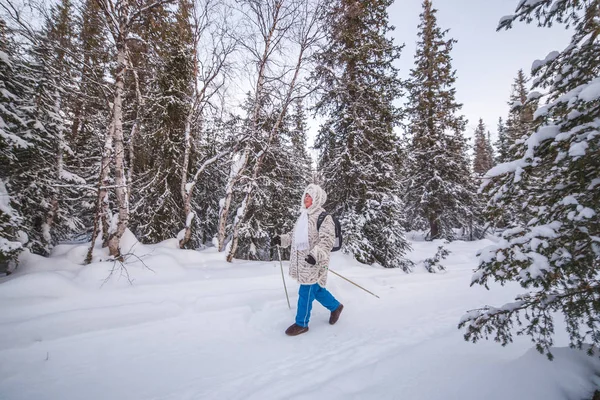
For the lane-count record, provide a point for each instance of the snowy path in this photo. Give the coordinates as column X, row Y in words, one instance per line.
column 218, row 334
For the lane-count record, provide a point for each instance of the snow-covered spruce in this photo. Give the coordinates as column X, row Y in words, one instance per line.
column 484, row 156
column 359, row 155
column 440, row 193
column 556, row 252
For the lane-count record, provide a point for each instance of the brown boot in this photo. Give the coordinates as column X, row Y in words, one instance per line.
column 296, row 330
column 335, row 314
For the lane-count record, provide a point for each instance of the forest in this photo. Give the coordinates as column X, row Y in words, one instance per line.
column 188, row 119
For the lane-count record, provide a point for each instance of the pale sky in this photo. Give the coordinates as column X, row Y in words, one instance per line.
column 486, row 61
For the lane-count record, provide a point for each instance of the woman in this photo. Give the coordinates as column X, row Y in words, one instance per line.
column 309, row 260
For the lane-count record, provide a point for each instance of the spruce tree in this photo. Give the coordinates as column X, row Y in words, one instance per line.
column 483, row 160
column 90, row 109
column 502, row 143
column 491, row 154
column 11, row 124
column 218, row 133
column 439, row 188
column 295, row 174
column 157, row 207
column 358, row 147
column 520, row 116
column 554, row 254
column 254, row 236
column 43, row 187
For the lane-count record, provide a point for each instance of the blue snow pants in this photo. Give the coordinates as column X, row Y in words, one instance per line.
column 306, row 295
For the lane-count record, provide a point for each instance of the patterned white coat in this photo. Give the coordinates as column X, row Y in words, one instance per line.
column 320, row 242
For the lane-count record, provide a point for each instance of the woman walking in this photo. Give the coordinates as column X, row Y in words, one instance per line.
column 309, row 259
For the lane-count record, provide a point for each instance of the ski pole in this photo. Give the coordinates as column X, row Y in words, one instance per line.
column 283, row 278
column 354, row 283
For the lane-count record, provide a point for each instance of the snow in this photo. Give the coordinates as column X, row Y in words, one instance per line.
column 586, row 212
column 578, row 149
column 7, row 246
column 569, row 200
column 70, row 177
column 46, row 232
column 505, row 19
column 192, row 326
column 190, row 218
column 543, row 133
column 533, row 3
column 504, row 168
column 5, row 206
column 595, row 182
column 591, row 92
column 5, row 58
column 549, row 58
column 534, row 95
column 238, row 163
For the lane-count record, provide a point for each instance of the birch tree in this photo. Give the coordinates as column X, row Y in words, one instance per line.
column 120, row 16
column 298, row 25
column 268, row 26
column 213, row 46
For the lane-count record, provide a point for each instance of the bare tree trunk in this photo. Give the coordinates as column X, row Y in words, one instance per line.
column 103, row 201
column 188, row 193
column 258, row 92
column 101, row 217
column 236, row 172
column 307, row 37
column 434, row 229
column 52, row 214
column 200, row 98
column 248, row 198
column 120, row 179
column 119, row 17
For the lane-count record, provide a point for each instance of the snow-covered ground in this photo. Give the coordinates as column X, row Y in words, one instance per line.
column 192, row 326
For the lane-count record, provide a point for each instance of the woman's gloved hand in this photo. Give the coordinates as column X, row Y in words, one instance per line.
column 310, row 259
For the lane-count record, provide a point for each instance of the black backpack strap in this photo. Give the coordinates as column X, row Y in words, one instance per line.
column 321, row 218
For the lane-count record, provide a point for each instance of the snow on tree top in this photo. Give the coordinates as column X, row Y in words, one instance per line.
column 591, row 91
column 578, row 149
column 4, row 58
column 70, row 177
column 530, row 3
column 534, row 96
column 506, row 19
column 549, row 58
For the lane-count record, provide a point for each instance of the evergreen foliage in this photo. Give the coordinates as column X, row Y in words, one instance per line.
column 158, row 207
column 501, row 144
column 484, row 157
column 358, row 159
column 440, row 192
column 11, row 124
column 520, row 118
column 554, row 252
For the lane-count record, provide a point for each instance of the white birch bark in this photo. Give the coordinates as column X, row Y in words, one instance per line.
column 269, row 38
column 307, row 36
column 222, row 48
column 119, row 156
column 101, row 219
